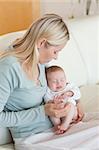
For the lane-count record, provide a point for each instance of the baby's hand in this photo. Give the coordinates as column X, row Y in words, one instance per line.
column 67, row 94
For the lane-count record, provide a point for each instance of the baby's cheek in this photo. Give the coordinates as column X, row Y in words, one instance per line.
column 54, row 87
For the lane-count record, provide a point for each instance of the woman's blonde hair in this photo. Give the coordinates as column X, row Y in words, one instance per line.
column 51, row 27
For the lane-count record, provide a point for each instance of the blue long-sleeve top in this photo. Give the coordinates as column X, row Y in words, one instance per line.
column 21, row 107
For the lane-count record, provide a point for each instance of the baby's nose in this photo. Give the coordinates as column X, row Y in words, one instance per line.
column 58, row 83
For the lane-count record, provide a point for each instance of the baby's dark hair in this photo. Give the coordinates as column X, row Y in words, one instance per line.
column 53, row 69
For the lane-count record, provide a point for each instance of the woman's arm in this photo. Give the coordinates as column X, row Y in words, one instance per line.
column 55, row 109
column 11, row 119
column 9, row 81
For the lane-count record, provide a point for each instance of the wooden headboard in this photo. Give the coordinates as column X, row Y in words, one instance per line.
column 17, row 15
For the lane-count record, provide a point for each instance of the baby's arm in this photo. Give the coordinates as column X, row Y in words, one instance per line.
column 76, row 92
column 72, row 93
column 67, row 94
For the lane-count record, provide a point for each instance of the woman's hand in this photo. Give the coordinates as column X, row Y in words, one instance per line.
column 56, row 109
column 80, row 112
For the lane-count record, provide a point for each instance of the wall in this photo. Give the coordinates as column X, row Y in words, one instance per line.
column 70, row 8
column 17, row 14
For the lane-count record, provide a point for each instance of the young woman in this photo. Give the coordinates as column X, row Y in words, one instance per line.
column 22, row 79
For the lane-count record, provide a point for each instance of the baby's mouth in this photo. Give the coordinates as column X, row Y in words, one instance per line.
column 59, row 87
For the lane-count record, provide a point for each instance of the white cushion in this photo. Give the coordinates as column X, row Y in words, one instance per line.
column 72, row 64
column 7, row 39
column 80, row 57
column 90, row 98
column 5, row 136
column 7, row 147
column 85, row 32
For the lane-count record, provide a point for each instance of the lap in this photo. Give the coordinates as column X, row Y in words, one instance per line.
column 28, row 143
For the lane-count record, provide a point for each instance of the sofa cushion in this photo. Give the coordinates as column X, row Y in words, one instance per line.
column 90, row 98
column 7, row 39
column 71, row 61
column 7, row 147
column 86, row 36
column 5, row 136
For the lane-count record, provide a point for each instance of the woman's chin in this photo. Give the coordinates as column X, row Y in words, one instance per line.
column 44, row 62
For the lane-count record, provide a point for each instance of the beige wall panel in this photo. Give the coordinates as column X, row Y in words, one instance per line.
column 17, row 14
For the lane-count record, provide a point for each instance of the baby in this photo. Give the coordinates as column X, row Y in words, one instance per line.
column 58, row 87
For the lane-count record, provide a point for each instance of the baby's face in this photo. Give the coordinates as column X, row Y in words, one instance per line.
column 56, row 81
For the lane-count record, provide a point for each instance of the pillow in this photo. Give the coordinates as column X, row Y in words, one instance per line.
column 7, row 147
column 90, row 98
column 5, row 136
column 7, row 39
column 86, row 38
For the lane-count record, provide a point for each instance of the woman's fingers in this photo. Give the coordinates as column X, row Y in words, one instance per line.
column 56, row 110
column 49, row 109
column 59, row 105
column 59, row 98
column 80, row 112
column 61, row 112
column 80, row 117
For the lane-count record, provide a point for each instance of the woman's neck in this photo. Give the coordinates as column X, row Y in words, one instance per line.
column 29, row 72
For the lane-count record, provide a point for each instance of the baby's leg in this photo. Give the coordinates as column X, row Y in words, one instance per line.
column 75, row 114
column 56, row 122
column 67, row 120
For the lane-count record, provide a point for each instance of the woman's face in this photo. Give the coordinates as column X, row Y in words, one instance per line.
column 48, row 52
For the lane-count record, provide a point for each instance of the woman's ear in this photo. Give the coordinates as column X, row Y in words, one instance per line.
column 41, row 43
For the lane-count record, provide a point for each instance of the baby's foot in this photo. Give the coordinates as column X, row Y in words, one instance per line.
column 62, row 128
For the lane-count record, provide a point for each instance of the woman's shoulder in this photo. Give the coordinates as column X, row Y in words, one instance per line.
column 8, row 60
column 9, row 64
column 10, row 71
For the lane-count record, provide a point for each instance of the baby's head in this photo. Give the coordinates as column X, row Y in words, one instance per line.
column 56, row 78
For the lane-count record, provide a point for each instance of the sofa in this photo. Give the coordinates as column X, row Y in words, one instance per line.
column 80, row 60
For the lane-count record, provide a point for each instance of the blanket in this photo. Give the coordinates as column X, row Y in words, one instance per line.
column 81, row 136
